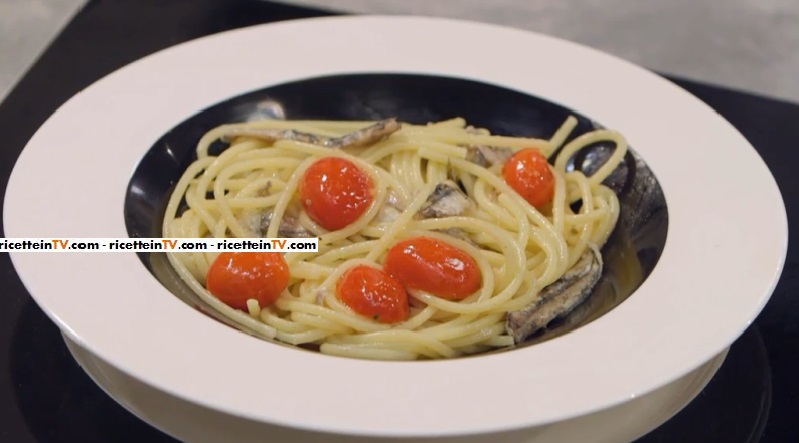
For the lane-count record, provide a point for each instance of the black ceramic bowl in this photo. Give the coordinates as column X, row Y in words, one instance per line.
column 629, row 255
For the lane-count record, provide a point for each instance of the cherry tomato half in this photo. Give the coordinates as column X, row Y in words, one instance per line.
column 235, row 277
column 373, row 293
column 434, row 266
column 335, row 192
column 529, row 174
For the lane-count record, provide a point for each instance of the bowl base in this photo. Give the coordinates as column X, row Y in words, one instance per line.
column 190, row 422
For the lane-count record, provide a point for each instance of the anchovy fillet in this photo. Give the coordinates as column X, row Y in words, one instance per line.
column 361, row 138
column 487, row 156
column 557, row 299
column 446, row 200
column 290, row 226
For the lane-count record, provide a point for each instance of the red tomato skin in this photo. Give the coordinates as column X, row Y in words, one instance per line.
column 529, row 174
column 235, row 277
column 335, row 192
column 434, row 266
column 373, row 293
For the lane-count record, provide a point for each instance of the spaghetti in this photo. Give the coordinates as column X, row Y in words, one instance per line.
column 252, row 188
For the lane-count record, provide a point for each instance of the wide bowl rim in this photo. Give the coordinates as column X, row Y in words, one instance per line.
column 127, row 318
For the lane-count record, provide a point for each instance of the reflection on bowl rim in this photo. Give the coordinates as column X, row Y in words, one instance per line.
column 711, row 258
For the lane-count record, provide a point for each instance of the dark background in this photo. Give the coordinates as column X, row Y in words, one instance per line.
column 46, row 397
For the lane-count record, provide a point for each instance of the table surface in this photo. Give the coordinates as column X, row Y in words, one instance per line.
column 45, row 396
column 746, row 44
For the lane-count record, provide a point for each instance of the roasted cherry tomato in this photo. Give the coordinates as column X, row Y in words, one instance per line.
column 529, row 174
column 373, row 293
column 335, row 192
column 235, row 277
column 434, row 266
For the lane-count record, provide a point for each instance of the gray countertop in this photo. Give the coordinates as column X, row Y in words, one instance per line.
column 745, row 44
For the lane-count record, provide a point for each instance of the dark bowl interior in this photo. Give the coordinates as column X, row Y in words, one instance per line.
column 629, row 255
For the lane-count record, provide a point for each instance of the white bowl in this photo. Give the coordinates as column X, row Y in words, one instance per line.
column 191, row 422
column 726, row 242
